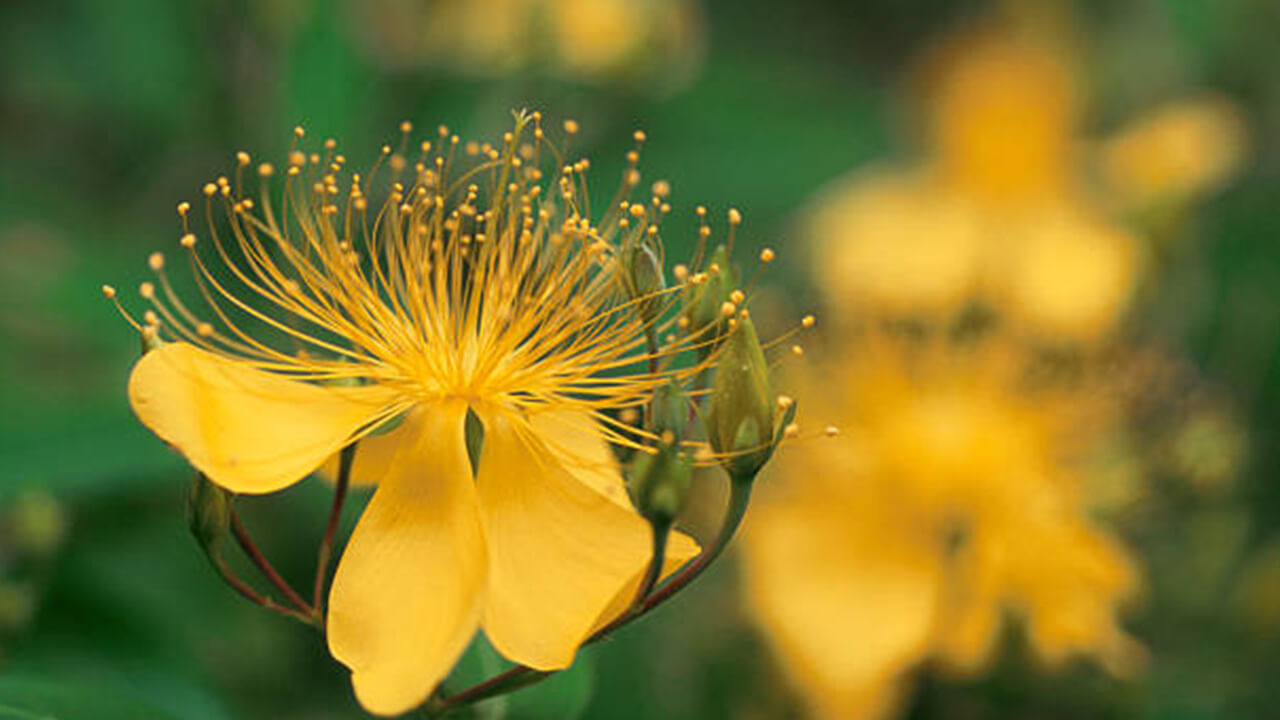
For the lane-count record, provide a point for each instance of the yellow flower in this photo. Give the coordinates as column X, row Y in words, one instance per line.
column 954, row 493
column 996, row 215
column 1186, row 147
column 450, row 297
column 892, row 240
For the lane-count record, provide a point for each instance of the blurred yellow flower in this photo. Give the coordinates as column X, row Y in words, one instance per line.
column 445, row 299
column 1190, row 146
column 955, row 493
column 580, row 39
column 1001, row 213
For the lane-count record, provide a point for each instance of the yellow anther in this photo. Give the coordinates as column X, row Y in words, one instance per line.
column 147, row 290
column 108, row 292
column 637, row 210
column 299, row 132
column 735, row 217
column 831, row 431
column 767, row 255
column 184, row 207
column 737, row 297
column 266, row 169
column 156, row 261
column 701, row 211
column 204, row 329
column 187, row 241
column 791, row 431
column 728, row 309
column 681, row 272
column 639, row 136
column 406, row 127
column 797, row 350
column 151, row 318
column 661, row 188
column 209, row 189
column 242, row 158
column 785, row 402
column 808, row 321
column 571, row 127
column 629, row 416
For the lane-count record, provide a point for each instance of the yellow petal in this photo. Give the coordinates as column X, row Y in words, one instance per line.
column 249, row 430
column 574, row 439
column 559, row 550
column 406, row 598
column 373, row 460
column 845, row 595
column 680, row 549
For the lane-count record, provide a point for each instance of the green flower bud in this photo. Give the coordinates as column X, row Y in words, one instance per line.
column 208, row 513
column 659, row 484
column 704, row 302
column 670, row 410
column 740, row 421
column 644, row 280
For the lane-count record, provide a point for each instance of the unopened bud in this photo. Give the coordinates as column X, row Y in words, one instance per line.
column 660, row 483
column 704, row 302
column 741, row 417
column 670, row 410
column 208, row 513
column 644, row 280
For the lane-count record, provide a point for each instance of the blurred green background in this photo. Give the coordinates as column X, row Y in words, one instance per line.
column 112, row 112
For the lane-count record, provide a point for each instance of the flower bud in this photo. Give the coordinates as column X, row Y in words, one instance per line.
column 704, row 301
column 659, row 484
column 670, row 410
column 644, row 280
column 208, row 513
column 740, row 422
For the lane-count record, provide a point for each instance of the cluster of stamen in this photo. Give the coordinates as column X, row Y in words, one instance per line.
column 479, row 275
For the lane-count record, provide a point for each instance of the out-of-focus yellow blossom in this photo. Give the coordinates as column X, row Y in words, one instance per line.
column 1001, row 212
column 895, row 241
column 954, row 494
column 1187, row 147
column 580, row 39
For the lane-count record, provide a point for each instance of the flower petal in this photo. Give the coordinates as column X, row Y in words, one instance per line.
column 373, row 460
column 249, row 430
column 406, row 598
column 573, row 437
column 559, row 550
column 846, row 597
column 680, row 549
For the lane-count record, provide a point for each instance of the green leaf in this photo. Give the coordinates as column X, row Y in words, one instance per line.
column 25, row 698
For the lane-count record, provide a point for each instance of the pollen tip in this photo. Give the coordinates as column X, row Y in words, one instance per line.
column 735, row 217
column 831, row 431
column 188, row 241
column 108, row 292
column 183, row 208
column 406, row 127
column 571, row 127
column 266, row 169
column 797, row 350
column 242, row 158
column 808, row 321
column 767, row 255
column 728, row 309
column 156, row 261
column 147, row 290
column 791, row 431
column 299, row 131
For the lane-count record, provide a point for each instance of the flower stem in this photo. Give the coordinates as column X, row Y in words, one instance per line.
column 252, row 595
column 661, row 531
column 345, row 460
column 264, row 566
column 521, row 675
